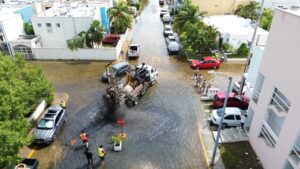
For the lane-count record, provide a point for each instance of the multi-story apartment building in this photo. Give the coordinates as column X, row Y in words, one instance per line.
column 274, row 109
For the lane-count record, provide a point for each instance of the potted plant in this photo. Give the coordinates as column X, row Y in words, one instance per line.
column 117, row 143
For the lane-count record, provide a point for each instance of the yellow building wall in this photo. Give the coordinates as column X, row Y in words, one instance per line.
column 219, row 7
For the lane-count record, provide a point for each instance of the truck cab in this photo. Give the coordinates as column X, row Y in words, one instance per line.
column 151, row 72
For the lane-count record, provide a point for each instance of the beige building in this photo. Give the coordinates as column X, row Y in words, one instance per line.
column 219, row 7
column 273, row 114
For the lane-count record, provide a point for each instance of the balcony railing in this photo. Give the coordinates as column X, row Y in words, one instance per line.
column 279, row 104
column 295, row 154
column 267, row 136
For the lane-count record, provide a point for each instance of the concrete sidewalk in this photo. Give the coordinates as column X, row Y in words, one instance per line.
column 123, row 57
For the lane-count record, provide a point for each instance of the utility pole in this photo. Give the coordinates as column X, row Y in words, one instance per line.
column 175, row 4
column 221, row 123
column 250, row 48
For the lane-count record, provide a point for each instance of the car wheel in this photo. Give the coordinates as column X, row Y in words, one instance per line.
column 115, row 44
column 214, row 67
column 224, row 125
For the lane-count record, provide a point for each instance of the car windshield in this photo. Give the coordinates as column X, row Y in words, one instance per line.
column 46, row 124
column 219, row 112
column 164, row 10
column 133, row 47
column 168, row 29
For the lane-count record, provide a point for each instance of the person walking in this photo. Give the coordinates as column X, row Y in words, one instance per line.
column 101, row 153
column 83, row 137
column 243, row 120
column 89, row 156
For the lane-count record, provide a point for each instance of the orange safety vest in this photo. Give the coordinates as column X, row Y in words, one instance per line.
column 83, row 137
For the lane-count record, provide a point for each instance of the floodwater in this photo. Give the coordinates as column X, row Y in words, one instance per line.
column 161, row 130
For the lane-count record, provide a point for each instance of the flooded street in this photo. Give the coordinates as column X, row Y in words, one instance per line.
column 162, row 129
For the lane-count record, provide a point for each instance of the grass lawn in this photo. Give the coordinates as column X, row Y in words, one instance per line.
column 236, row 56
column 239, row 155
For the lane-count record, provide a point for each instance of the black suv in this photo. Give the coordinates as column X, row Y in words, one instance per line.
column 118, row 70
column 49, row 125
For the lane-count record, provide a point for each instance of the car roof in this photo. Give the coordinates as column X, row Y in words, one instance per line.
column 233, row 111
column 134, row 45
column 148, row 67
column 208, row 58
column 112, row 35
column 171, row 37
column 120, row 64
column 223, row 94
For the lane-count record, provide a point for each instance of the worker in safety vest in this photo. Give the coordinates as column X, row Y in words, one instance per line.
column 83, row 137
column 101, row 152
column 63, row 104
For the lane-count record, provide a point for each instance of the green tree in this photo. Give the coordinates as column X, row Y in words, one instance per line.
column 243, row 50
column 22, row 86
column 120, row 18
column 188, row 13
column 28, row 29
column 248, row 11
column 266, row 19
column 94, row 35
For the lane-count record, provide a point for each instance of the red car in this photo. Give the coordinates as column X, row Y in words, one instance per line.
column 207, row 63
column 234, row 100
column 111, row 39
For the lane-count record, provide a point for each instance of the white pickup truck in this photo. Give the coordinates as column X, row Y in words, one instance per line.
column 133, row 51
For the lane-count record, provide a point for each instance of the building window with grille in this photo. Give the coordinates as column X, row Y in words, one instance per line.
column 39, row 25
column 58, row 25
column 49, row 27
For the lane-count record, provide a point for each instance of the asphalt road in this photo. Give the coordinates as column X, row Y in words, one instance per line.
column 162, row 129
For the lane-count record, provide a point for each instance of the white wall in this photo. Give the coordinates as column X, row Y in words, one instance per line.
column 38, row 111
column 13, row 27
column 80, row 54
column 272, row 4
column 69, row 28
column 279, row 65
column 237, row 39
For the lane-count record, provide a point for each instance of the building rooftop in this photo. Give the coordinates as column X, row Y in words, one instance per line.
column 295, row 10
column 69, row 10
column 238, row 25
column 8, row 16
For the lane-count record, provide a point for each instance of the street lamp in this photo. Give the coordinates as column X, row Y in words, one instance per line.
column 222, row 118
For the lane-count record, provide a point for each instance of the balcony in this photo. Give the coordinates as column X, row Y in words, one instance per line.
column 268, row 136
column 279, row 103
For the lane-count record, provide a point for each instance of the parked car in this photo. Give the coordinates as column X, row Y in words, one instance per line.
column 133, row 51
column 173, row 47
column 234, row 100
column 163, row 12
column 111, row 39
column 207, row 63
column 167, row 19
column 118, row 70
column 161, row 2
column 168, row 30
column 232, row 116
column 170, row 38
column 49, row 125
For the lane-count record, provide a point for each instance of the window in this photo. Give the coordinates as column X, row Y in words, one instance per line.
column 58, row 25
column 257, row 88
column 39, row 25
column 49, row 27
column 267, row 136
column 229, row 117
column 58, row 117
column 237, row 117
column 280, row 102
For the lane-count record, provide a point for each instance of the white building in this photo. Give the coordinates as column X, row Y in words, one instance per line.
column 11, row 26
column 274, row 109
column 60, row 23
column 272, row 4
column 236, row 30
column 63, row 22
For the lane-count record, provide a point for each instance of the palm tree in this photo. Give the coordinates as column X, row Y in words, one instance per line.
column 120, row 18
column 188, row 13
column 94, row 35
